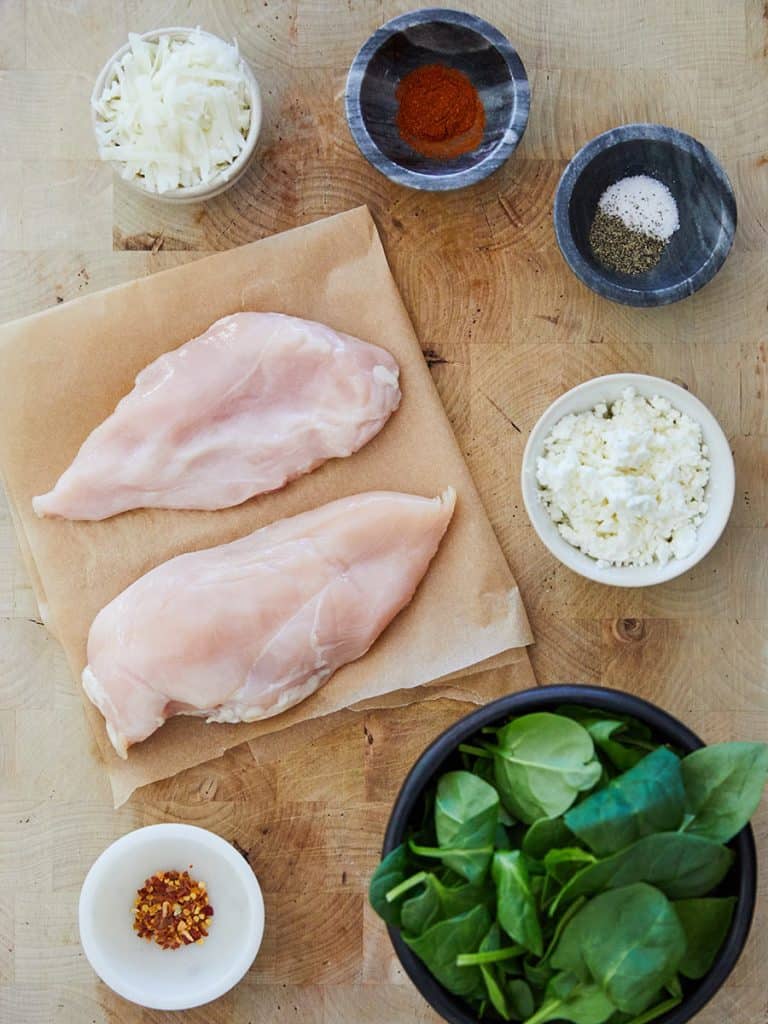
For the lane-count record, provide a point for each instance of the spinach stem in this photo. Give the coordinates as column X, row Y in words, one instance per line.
column 405, row 885
column 656, row 1011
column 467, row 748
column 490, row 956
column 544, row 1012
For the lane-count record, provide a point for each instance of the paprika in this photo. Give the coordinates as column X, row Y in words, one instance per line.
column 440, row 112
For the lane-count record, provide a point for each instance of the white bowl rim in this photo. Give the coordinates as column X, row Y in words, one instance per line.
column 226, row 176
column 721, row 469
column 122, row 847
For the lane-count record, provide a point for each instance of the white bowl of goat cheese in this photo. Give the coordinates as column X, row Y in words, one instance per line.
column 628, row 480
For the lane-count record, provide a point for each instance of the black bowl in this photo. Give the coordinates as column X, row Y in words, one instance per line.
column 704, row 198
column 741, row 880
column 436, row 36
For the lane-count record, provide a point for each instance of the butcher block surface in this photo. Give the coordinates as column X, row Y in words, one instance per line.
column 505, row 328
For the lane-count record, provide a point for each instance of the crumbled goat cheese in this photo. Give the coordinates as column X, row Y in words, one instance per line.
column 625, row 482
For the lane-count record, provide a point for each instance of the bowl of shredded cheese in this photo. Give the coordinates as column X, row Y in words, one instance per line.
column 177, row 111
column 628, row 480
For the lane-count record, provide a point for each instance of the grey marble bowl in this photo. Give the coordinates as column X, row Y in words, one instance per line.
column 436, row 36
column 704, row 198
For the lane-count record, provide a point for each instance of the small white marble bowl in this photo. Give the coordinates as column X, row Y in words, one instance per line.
column 719, row 492
column 142, row 972
column 223, row 178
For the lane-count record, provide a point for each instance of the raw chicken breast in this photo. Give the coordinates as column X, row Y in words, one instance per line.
column 245, row 630
column 257, row 400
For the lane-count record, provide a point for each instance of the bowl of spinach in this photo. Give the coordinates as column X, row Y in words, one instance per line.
column 574, row 854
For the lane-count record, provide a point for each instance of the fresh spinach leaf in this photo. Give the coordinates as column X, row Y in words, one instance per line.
column 681, row 865
column 437, row 901
column 674, row 987
column 490, row 947
column 723, row 785
column 646, row 799
column 706, row 923
column 541, row 763
column 439, row 946
column 568, row 998
column 560, row 926
column 621, row 739
column 609, row 739
column 515, row 903
column 519, row 999
column 629, row 940
column 656, row 1011
column 466, row 816
column 563, row 864
column 546, row 834
column 496, row 995
column 537, row 972
column 391, row 872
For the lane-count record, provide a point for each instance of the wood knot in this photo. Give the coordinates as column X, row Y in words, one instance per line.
column 629, row 631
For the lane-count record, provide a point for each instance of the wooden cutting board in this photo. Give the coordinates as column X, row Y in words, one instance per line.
column 505, row 328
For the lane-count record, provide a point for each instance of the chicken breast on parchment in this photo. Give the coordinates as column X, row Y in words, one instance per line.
column 247, row 629
column 255, row 401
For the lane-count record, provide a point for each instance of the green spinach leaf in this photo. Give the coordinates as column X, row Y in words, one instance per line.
column 646, row 799
column 466, row 816
column 657, row 1011
column 723, row 785
column 541, row 763
column 546, row 834
column 706, row 923
column 562, row 865
column 537, row 972
column 437, row 901
column 630, row 942
column 568, row 998
column 515, row 903
column 622, row 739
column 681, row 865
column 439, row 946
column 519, row 999
column 490, row 947
column 391, row 872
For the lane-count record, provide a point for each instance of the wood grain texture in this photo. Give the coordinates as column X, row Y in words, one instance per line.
column 505, row 328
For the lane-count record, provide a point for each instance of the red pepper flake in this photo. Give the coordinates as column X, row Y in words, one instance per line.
column 172, row 909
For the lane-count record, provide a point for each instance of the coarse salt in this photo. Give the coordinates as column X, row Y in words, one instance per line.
column 643, row 204
column 625, row 483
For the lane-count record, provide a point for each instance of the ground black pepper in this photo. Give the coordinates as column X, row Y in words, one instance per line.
column 620, row 248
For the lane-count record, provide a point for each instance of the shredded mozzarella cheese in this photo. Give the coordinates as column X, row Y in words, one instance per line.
column 176, row 111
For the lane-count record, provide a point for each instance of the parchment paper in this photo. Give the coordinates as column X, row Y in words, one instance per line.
column 476, row 687
column 64, row 370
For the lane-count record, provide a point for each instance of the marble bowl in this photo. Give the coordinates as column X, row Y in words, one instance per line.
column 704, row 198
column 141, row 971
column 436, row 36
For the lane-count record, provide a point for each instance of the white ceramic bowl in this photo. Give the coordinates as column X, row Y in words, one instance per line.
column 170, row 979
column 719, row 492
column 225, row 177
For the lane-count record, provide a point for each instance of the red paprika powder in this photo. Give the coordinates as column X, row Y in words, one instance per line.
column 440, row 112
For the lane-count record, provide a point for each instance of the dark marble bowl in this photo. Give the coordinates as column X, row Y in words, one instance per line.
column 704, row 198
column 441, row 755
column 436, row 36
